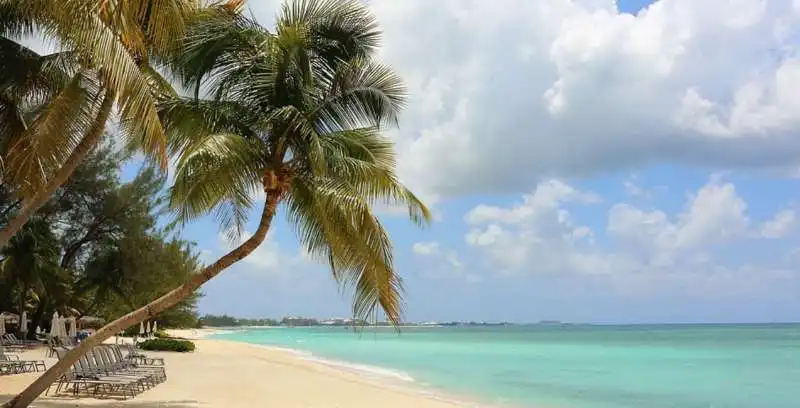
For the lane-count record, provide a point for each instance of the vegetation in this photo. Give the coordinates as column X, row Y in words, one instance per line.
column 161, row 334
column 295, row 112
column 55, row 107
column 180, row 346
column 230, row 321
column 92, row 249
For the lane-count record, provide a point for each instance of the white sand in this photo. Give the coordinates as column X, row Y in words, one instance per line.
column 222, row 374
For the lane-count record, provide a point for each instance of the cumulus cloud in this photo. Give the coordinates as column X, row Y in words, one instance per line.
column 715, row 214
column 504, row 95
column 426, row 248
column 782, row 225
column 539, row 229
column 642, row 249
column 436, row 262
column 269, row 259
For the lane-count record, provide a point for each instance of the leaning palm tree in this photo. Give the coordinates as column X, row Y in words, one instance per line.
column 114, row 42
column 296, row 113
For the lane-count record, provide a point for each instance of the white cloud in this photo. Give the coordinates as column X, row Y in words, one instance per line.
column 536, row 230
column 426, row 248
column 782, row 225
column 268, row 258
column 579, row 88
column 714, row 214
column 642, row 250
column 452, row 258
column 436, row 262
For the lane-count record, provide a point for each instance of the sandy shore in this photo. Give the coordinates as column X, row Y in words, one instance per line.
column 222, row 374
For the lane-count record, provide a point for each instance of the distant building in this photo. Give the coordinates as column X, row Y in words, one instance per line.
column 294, row 321
column 338, row 321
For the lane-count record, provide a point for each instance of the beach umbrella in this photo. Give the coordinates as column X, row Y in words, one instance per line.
column 62, row 327
column 23, row 322
column 73, row 327
column 141, row 328
column 54, row 325
column 147, row 329
column 155, row 327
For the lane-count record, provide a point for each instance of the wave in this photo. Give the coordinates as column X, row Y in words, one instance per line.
column 357, row 368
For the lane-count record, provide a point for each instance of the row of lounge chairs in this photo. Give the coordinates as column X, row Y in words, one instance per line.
column 10, row 340
column 11, row 364
column 107, row 371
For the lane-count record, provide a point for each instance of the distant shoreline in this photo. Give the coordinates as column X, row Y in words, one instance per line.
column 540, row 324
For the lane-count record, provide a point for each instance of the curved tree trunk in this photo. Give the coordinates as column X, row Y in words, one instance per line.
column 150, row 310
column 64, row 173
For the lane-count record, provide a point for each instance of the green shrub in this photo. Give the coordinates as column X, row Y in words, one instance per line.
column 131, row 331
column 180, row 346
column 161, row 334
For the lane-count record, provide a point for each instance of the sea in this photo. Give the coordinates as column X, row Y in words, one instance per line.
column 568, row 366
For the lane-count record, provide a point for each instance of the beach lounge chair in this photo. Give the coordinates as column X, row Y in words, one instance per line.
column 132, row 354
column 10, row 341
column 95, row 364
column 112, row 358
column 82, row 377
column 10, row 364
column 26, row 366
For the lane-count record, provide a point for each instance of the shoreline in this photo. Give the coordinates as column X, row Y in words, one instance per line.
column 260, row 376
column 384, row 377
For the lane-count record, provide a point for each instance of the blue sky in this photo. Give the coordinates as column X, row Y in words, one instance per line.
column 587, row 161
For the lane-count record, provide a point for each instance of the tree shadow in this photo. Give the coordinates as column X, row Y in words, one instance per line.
column 71, row 402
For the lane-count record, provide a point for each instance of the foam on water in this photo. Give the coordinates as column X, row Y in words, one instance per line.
column 361, row 369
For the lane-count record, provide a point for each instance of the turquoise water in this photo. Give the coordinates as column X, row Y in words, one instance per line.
column 698, row 366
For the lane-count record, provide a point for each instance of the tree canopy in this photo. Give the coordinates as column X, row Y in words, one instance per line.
column 96, row 248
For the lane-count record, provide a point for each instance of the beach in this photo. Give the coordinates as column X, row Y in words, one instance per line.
column 222, row 374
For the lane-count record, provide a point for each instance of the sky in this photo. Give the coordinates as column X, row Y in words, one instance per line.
column 586, row 161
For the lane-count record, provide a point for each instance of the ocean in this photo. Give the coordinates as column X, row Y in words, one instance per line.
column 580, row 366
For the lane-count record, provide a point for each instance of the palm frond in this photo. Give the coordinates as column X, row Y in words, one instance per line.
column 79, row 25
column 220, row 173
column 334, row 223
column 187, row 121
column 17, row 19
column 220, row 47
column 336, row 29
column 365, row 160
column 30, row 78
column 359, row 93
column 35, row 154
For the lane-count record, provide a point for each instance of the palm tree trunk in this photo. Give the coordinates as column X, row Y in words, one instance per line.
column 83, row 148
column 22, row 297
column 150, row 310
column 44, row 301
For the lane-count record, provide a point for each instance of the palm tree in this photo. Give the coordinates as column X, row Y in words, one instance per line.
column 296, row 113
column 30, row 261
column 115, row 42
